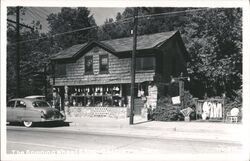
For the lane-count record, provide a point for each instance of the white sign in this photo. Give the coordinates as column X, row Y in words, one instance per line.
column 176, row 100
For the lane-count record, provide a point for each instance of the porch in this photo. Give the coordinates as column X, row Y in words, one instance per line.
column 108, row 100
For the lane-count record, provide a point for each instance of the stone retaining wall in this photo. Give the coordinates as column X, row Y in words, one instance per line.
column 111, row 112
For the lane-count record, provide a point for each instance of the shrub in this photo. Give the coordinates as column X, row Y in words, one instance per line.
column 165, row 111
column 188, row 100
column 192, row 115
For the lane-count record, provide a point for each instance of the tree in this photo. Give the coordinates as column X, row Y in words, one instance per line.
column 213, row 38
column 147, row 25
column 70, row 19
column 33, row 57
column 215, row 50
column 35, row 49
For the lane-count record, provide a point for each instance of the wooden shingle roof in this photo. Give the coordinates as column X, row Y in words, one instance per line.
column 119, row 45
column 69, row 52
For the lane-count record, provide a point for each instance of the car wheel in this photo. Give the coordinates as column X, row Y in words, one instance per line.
column 27, row 123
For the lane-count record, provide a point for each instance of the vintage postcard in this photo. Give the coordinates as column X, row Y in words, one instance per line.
column 125, row 80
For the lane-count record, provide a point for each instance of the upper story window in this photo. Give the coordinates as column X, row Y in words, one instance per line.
column 145, row 63
column 104, row 63
column 60, row 69
column 89, row 65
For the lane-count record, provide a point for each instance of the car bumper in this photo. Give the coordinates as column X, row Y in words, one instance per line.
column 53, row 119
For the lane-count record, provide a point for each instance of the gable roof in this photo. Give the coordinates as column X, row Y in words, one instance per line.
column 144, row 42
column 69, row 52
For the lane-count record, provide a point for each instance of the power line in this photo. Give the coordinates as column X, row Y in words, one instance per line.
column 48, row 10
column 39, row 13
column 31, row 15
column 82, row 29
column 9, row 20
column 120, row 21
column 40, row 10
column 34, row 12
column 159, row 14
column 171, row 13
column 35, row 15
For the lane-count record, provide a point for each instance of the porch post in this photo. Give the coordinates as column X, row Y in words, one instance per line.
column 66, row 98
column 54, row 97
column 181, row 93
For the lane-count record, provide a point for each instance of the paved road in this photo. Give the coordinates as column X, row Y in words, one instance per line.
column 59, row 140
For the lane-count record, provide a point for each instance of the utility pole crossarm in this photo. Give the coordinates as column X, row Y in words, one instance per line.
column 9, row 20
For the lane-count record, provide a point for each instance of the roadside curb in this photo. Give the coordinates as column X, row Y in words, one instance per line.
column 166, row 133
column 192, row 131
column 148, row 134
column 156, row 126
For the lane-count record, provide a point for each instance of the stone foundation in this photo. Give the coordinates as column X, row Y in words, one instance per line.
column 111, row 112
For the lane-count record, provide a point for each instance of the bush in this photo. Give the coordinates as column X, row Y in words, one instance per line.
column 193, row 116
column 189, row 100
column 165, row 111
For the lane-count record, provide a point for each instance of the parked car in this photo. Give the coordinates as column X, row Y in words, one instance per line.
column 29, row 111
column 40, row 97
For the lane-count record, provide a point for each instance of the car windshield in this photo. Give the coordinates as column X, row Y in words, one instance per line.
column 40, row 104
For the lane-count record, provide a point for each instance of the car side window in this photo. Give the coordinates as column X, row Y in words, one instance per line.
column 20, row 104
column 11, row 104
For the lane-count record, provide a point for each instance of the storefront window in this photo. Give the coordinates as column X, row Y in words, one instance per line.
column 97, row 96
column 89, row 65
column 104, row 64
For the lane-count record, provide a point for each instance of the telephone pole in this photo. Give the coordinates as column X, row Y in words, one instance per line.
column 45, row 81
column 18, row 24
column 133, row 65
column 17, row 51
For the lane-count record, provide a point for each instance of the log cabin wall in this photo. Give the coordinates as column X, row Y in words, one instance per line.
column 119, row 71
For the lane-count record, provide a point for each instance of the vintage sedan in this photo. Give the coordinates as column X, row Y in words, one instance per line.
column 40, row 97
column 29, row 111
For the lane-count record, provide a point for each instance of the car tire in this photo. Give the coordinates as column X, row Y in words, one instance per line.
column 28, row 123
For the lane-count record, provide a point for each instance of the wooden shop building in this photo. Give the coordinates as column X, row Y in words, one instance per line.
column 93, row 79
